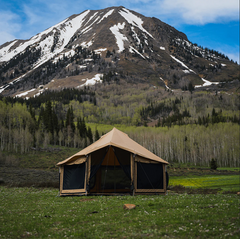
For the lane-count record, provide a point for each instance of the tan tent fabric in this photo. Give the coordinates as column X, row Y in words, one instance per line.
column 77, row 160
column 119, row 139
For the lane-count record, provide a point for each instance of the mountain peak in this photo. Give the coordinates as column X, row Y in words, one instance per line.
column 116, row 40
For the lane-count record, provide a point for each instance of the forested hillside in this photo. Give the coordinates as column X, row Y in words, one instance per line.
column 178, row 126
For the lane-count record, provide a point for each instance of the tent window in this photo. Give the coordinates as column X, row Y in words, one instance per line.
column 74, row 176
column 149, row 176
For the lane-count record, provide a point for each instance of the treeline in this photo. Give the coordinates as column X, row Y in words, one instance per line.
column 64, row 96
column 192, row 144
column 112, row 104
column 21, row 130
column 171, row 113
column 188, row 48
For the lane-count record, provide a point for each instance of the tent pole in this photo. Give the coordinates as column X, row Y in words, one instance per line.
column 133, row 173
column 61, row 168
column 164, row 180
column 88, row 171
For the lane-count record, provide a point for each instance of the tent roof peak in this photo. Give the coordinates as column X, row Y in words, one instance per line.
column 118, row 139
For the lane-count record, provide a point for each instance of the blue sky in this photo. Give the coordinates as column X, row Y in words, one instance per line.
column 209, row 23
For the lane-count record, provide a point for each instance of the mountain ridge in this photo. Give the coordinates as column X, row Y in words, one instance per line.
column 117, row 40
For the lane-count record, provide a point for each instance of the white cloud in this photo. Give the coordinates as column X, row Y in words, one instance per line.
column 230, row 51
column 183, row 11
column 9, row 26
column 195, row 11
column 5, row 37
column 233, row 56
column 32, row 14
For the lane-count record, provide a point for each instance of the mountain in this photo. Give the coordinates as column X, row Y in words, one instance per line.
column 107, row 45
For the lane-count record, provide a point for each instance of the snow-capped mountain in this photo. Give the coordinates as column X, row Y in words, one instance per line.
column 106, row 45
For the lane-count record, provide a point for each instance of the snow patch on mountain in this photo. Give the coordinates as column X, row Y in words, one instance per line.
column 90, row 18
column 87, row 44
column 182, row 64
column 206, row 83
column 88, row 28
column 133, row 20
column 93, row 81
column 119, row 36
column 135, row 35
column 106, row 15
column 25, row 93
column 165, row 83
column 6, row 50
column 4, row 87
column 99, row 51
column 132, row 50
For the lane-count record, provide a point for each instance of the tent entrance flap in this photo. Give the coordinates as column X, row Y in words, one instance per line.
column 113, row 174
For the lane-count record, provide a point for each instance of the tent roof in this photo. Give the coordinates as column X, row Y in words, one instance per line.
column 118, row 139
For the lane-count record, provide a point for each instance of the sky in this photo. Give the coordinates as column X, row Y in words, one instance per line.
column 209, row 23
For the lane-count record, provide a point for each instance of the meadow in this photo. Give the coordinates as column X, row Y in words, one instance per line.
column 221, row 183
column 40, row 213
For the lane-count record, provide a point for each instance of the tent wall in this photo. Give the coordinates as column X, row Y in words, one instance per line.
column 149, row 176
column 73, row 179
column 73, row 176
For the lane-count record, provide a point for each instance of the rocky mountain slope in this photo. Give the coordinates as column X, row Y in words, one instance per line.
column 107, row 45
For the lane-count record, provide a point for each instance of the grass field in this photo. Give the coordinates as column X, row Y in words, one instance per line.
column 29, row 212
column 39, row 213
column 223, row 183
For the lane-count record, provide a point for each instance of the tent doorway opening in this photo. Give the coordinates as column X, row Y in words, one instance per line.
column 110, row 171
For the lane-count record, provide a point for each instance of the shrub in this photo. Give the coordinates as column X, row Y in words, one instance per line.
column 213, row 164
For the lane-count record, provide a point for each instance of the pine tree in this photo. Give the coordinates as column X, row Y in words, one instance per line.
column 97, row 137
column 47, row 117
column 81, row 126
column 70, row 119
column 190, row 87
column 90, row 135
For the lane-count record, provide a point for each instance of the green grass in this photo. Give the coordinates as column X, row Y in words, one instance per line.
column 40, row 159
column 221, row 182
column 38, row 213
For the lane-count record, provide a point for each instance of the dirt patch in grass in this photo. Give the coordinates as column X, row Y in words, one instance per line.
column 182, row 189
column 87, row 199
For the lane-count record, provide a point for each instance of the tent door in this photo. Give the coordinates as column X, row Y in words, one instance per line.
column 111, row 176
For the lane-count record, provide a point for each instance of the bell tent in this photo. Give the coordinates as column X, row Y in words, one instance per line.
column 113, row 164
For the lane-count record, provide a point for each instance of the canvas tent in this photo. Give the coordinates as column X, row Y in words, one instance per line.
column 113, row 164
